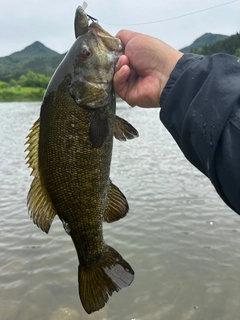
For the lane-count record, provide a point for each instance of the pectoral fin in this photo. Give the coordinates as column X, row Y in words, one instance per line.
column 117, row 206
column 123, row 130
column 99, row 129
column 40, row 207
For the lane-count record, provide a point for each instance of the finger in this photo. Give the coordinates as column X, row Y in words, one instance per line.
column 123, row 60
column 121, row 76
column 125, row 35
column 120, row 81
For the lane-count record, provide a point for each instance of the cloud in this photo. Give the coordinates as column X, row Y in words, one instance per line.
column 23, row 22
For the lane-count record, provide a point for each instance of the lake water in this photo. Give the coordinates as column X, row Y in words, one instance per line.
column 179, row 237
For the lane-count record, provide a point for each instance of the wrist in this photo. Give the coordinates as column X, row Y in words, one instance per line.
column 171, row 60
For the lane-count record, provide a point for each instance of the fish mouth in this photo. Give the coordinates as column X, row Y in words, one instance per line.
column 105, row 39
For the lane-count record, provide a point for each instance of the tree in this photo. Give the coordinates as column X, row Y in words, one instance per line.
column 3, row 85
column 33, row 80
column 237, row 52
column 13, row 83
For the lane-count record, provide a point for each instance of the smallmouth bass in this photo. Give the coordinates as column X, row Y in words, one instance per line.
column 69, row 151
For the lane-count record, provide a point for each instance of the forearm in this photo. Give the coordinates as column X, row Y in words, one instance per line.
column 200, row 106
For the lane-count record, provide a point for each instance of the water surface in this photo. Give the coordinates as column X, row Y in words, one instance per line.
column 179, row 237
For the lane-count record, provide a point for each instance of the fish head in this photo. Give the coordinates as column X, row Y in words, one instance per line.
column 94, row 55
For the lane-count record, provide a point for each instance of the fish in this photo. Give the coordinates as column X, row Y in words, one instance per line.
column 69, row 151
column 81, row 20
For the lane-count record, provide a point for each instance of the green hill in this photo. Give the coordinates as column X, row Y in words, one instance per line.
column 205, row 40
column 39, row 59
column 231, row 45
column 36, row 58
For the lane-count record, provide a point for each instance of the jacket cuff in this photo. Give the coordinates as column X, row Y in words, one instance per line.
column 184, row 62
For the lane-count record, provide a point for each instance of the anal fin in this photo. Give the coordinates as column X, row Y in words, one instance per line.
column 117, row 206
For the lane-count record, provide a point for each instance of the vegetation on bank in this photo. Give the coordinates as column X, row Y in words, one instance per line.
column 231, row 45
column 21, row 94
column 205, row 40
column 29, row 87
column 18, row 83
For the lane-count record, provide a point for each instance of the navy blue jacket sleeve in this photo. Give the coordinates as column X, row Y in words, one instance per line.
column 200, row 107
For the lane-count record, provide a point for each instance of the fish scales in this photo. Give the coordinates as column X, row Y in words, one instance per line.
column 69, row 151
column 74, row 172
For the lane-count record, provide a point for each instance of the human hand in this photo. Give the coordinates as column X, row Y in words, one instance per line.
column 142, row 73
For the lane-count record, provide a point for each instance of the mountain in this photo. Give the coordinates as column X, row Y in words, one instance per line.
column 36, row 58
column 231, row 45
column 40, row 59
column 205, row 40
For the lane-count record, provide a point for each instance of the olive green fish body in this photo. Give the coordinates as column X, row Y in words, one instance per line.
column 76, row 174
column 70, row 149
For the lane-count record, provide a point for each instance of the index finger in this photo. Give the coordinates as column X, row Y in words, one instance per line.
column 126, row 35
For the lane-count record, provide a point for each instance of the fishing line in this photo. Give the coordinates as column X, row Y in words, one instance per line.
column 173, row 18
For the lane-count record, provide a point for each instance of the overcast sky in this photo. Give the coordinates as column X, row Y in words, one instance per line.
column 51, row 21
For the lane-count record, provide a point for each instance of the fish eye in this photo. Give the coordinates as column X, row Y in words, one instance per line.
column 86, row 53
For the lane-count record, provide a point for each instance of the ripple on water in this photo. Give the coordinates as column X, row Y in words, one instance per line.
column 180, row 239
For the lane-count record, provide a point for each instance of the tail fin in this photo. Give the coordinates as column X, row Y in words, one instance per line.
column 96, row 284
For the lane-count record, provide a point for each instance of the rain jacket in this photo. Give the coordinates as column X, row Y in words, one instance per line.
column 200, row 107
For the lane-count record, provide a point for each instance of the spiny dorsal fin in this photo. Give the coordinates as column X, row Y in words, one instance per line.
column 110, row 273
column 117, row 206
column 40, row 207
column 123, row 130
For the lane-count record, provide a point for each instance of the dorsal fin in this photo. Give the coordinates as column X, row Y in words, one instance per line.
column 117, row 206
column 40, row 207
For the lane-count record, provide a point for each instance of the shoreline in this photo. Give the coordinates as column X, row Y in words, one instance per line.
column 21, row 94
